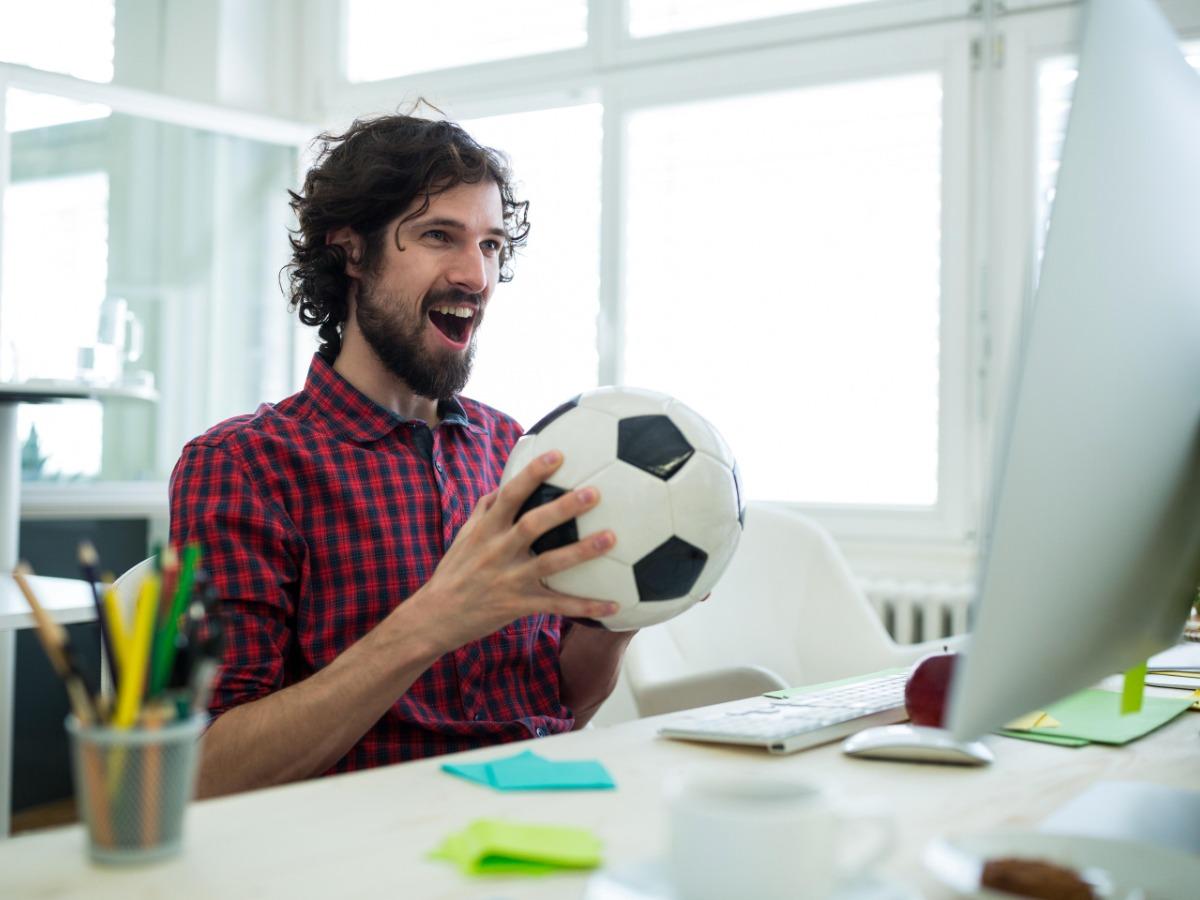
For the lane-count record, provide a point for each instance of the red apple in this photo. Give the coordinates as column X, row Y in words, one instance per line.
column 927, row 688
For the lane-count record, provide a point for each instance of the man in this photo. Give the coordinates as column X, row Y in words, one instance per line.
column 380, row 600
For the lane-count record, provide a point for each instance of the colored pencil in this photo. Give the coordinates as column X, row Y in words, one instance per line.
column 164, row 643
column 133, row 678
column 57, row 644
column 89, row 563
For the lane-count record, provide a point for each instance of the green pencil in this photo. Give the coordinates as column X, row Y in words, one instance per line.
column 164, row 644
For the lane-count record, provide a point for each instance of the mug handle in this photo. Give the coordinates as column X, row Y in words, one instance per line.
column 870, row 839
column 136, row 337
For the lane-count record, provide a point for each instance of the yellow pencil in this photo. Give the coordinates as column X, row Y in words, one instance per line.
column 116, row 629
column 133, row 673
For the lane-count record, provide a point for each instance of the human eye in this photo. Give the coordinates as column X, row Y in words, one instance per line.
column 492, row 246
column 436, row 234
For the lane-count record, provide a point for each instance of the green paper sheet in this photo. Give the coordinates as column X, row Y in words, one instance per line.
column 1043, row 738
column 498, row 847
column 1095, row 715
column 529, row 772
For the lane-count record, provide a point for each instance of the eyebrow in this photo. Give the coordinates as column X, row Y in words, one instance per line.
column 442, row 222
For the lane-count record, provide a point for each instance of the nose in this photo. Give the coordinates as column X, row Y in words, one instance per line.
column 469, row 270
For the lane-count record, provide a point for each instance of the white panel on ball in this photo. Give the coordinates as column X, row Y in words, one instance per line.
column 646, row 614
column 702, row 494
column 588, row 441
column 598, row 579
column 699, row 433
column 524, row 452
column 623, row 402
column 635, row 505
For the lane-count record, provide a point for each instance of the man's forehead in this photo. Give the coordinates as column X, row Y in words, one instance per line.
column 465, row 205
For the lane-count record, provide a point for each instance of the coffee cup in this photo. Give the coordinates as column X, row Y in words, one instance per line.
column 770, row 837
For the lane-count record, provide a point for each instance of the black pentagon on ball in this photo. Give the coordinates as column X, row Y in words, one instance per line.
column 560, row 536
column 668, row 571
column 549, row 417
column 653, row 444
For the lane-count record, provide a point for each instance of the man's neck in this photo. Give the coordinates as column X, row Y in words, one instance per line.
column 359, row 365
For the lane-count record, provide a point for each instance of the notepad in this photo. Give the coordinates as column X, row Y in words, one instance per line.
column 498, row 847
column 1095, row 715
column 529, row 772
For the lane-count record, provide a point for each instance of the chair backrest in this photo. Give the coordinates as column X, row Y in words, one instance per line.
column 788, row 604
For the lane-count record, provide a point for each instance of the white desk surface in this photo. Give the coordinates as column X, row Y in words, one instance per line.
column 367, row 834
column 67, row 600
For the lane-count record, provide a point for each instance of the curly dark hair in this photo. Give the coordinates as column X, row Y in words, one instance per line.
column 363, row 179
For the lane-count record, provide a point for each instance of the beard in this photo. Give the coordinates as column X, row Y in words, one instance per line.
column 394, row 330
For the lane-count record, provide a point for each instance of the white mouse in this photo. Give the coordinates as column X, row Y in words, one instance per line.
column 916, row 743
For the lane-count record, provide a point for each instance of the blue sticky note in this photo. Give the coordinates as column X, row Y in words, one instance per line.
column 529, row 772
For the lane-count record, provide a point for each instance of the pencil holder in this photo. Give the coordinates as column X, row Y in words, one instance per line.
column 133, row 786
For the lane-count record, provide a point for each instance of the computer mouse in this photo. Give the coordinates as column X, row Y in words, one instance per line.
column 916, row 743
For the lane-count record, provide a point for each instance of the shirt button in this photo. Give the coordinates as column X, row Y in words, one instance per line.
column 540, row 731
column 438, row 466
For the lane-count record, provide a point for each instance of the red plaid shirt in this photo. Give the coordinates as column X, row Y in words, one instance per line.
column 316, row 516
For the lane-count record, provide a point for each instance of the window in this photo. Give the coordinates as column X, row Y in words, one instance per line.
column 124, row 231
column 384, row 39
column 648, row 17
column 35, row 34
column 537, row 346
column 782, row 266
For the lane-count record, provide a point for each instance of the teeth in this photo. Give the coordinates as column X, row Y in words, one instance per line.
column 463, row 312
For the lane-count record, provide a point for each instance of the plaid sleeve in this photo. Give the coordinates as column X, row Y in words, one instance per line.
column 247, row 548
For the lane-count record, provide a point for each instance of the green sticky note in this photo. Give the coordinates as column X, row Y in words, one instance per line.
column 529, row 772
column 1043, row 738
column 1135, row 687
column 498, row 847
column 1095, row 715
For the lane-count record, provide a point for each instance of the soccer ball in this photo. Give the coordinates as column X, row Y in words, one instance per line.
column 669, row 490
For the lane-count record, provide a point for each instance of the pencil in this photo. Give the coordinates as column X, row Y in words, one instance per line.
column 164, row 644
column 116, row 629
column 133, row 678
column 89, row 561
column 57, row 644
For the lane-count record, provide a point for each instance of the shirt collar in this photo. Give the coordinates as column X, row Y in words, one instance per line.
column 353, row 415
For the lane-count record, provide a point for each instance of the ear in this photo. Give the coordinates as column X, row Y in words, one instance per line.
column 351, row 243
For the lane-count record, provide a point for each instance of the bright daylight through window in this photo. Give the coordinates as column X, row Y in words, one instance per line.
column 821, row 369
column 385, row 39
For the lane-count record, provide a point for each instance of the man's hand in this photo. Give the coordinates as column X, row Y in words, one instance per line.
column 488, row 577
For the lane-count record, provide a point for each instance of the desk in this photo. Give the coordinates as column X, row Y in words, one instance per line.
column 366, row 834
column 67, row 601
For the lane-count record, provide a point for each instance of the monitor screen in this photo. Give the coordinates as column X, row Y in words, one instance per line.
column 1091, row 555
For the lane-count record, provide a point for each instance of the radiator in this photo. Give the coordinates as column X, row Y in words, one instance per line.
column 914, row 611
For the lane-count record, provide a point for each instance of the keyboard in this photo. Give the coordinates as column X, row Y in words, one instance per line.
column 801, row 721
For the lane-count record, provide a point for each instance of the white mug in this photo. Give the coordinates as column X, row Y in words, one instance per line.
column 770, row 837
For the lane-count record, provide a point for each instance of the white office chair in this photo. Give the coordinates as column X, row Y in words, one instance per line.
column 787, row 612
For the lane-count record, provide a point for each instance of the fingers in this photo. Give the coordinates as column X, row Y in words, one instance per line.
column 537, row 521
column 577, row 607
column 546, row 564
column 510, row 497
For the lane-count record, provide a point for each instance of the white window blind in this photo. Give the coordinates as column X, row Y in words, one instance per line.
column 782, row 276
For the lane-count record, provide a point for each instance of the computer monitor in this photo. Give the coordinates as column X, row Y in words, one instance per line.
column 1092, row 555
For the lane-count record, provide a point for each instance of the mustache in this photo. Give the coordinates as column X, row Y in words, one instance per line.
column 450, row 297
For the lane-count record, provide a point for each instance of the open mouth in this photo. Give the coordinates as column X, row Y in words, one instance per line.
column 453, row 320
